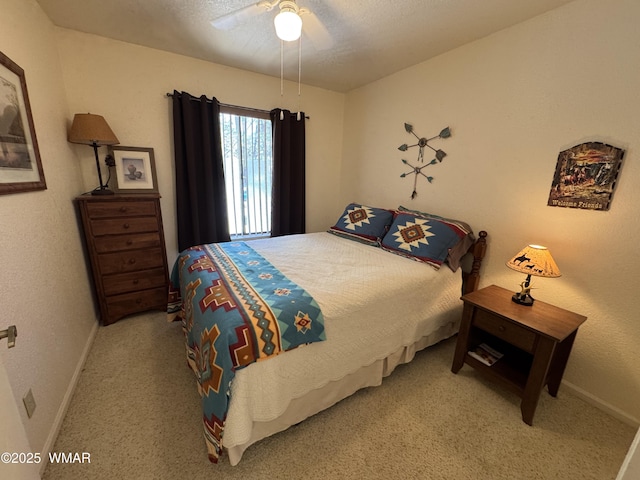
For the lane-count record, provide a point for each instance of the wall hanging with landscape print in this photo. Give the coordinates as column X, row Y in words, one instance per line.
column 586, row 176
column 20, row 164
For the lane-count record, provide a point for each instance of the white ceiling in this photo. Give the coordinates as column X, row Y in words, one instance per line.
column 372, row 38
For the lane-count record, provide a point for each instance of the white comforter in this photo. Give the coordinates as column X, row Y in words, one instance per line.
column 374, row 303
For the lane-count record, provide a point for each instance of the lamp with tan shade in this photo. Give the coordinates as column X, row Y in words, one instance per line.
column 88, row 129
column 533, row 260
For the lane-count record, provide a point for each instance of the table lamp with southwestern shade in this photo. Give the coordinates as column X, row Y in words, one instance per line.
column 533, row 260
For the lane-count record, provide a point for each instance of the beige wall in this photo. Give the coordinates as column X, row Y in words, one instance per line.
column 127, row 85
column 44, row 284
column 513, row 101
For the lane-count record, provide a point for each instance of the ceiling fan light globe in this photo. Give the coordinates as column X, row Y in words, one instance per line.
column 288, row 25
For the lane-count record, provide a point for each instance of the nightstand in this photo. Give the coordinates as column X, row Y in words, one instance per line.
column 535, row 342
column 125, row 243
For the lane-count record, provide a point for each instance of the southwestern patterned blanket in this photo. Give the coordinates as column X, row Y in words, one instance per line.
column 236, row 308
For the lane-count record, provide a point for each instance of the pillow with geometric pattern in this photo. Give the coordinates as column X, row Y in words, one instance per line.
column 363, row 224
column 424, row 239
column 460, row 249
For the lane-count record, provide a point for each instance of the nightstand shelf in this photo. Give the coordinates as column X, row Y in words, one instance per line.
column 511, row 370
column 535, row 342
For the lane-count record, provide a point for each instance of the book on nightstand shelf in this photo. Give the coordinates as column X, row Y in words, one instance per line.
column 485, row 354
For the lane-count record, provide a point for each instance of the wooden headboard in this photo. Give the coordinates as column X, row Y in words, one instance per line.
column 471, row 278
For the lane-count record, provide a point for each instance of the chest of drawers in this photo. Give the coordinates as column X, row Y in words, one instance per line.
column 125, row 244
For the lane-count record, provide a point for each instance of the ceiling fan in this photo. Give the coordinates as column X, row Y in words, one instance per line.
column 289, row 11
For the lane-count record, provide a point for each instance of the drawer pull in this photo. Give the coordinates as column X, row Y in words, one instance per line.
column 138, row 301
column 502, row 328
column 132, row 261
column 136, row 281
column 123, row 209
column 129, row 242
column 125, row 226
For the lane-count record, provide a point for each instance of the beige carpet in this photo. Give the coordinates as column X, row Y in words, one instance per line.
column 136, row 411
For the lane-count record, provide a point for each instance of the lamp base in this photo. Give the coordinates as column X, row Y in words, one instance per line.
column 526, row 299
column 102, row 191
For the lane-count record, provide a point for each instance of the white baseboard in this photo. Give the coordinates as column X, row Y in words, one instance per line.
column 631, row 466
column 602, row 405
column 62, row 411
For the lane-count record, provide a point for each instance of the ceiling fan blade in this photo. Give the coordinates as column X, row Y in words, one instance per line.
column 231, row 20
column 315, row 30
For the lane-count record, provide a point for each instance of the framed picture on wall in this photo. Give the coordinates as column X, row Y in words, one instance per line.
column 20, row 164
column 135, row 170
column 586, row 176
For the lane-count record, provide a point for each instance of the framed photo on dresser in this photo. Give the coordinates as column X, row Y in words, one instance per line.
column 135, row 170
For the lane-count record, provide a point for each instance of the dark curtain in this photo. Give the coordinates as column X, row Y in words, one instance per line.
column 288, row 195
column 200, row 189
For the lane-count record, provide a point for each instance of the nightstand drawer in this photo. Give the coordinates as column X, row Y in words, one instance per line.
column 130, row 261
column 504, row 329
column 113, row 226
column 132, row 282
column 116, row 243
column 121, row 209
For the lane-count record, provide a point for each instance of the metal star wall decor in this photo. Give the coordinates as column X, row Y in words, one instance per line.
column 422, row 142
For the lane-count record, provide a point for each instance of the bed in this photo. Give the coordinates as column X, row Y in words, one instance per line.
column 363, row 307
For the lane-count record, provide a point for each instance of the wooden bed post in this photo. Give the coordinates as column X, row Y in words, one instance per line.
column 478, row 250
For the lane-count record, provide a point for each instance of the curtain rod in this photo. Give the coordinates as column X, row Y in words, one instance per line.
column 238, row 107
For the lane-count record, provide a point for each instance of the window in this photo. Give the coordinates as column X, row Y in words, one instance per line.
column 248, row 169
